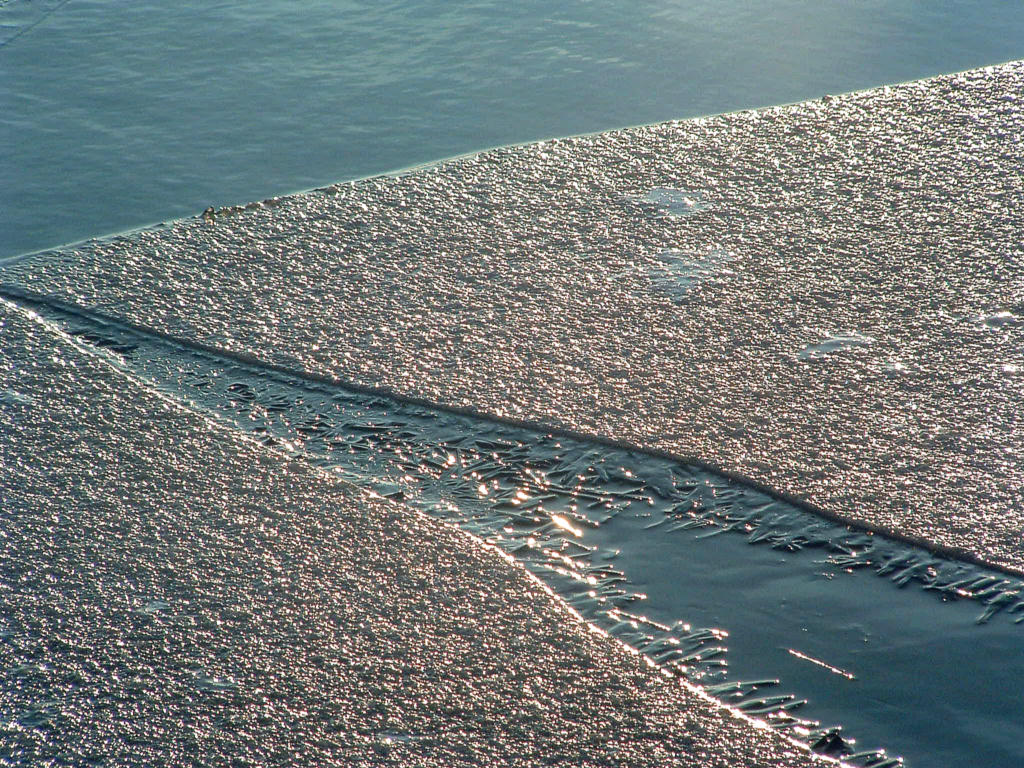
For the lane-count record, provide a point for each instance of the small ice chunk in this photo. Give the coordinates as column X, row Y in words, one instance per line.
column 154, row 606
column 207, row 683
column 832, row 344
column 397, row 737
column 895, row 368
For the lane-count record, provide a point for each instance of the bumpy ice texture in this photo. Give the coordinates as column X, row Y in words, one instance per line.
column 172, row 594
column 846, row 324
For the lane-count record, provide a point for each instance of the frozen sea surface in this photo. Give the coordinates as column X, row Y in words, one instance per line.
column 851, row 351
column 762, row 603
column 171, row 593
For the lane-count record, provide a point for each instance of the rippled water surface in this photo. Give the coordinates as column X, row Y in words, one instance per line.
column 118, row 115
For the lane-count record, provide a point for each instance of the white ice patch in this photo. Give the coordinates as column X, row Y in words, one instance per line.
column 390, row 738
column 834, row 343
column 1002, row 319
column 674, row 203
column 677, row 273
column 154, row 606
column 215, row 684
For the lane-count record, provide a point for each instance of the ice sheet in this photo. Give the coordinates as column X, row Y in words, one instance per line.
column 529, row 282
column 754, row 599
column 173, row 594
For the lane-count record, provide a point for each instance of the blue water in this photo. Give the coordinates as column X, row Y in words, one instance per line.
column 116, row 115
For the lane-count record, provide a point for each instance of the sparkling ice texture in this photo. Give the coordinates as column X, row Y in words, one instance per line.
column 529, row 282
column 172, row 594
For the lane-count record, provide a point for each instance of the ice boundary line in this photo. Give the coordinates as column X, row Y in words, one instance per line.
column 735, row 710
column 330, row 187
column 30, row 298
column 33, row 25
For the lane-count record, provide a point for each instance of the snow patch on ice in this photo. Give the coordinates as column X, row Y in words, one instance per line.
column 836, row 342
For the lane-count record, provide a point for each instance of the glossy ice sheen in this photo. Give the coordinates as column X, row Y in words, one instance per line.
column 526, row 282
column 658, row 553
column 114, row 116
column 172, row 594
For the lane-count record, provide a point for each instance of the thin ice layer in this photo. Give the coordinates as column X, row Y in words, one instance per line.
column 172, row 594
column 850, row 335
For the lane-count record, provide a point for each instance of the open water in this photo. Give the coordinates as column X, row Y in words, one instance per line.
column 113, row 116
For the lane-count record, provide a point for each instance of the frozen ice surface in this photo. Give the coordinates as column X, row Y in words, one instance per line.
column 632, row 542
column 524, row 282
column 172, row 594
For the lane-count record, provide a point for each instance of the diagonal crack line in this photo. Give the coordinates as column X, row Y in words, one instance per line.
column 34, row 300
column 34, row 24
